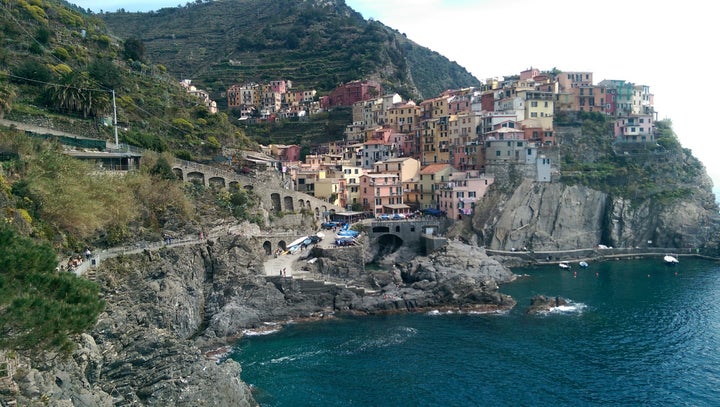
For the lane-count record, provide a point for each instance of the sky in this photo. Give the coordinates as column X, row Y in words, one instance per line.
column 666, row 45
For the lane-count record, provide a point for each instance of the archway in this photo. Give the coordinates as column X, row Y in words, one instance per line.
column 388, row 244
column 195, row 176
column 178, row 173
column 268, row 248
column 275, row 198
column 282, row 245
column 217, row 182
column 289, row 204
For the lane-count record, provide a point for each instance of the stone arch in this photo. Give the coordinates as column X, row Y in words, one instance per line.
column 289, row 204
column 233, row 186
column 317, row 212
column 301, row 204
column 267, row 246
column 178, row 173
column 323, row 209
column 388, row 243
column 275, row 198
column 308, row 204
column 217, row 182
column 282, row 245
column 196, row 176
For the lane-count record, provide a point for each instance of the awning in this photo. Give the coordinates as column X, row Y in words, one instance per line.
column 397, row 206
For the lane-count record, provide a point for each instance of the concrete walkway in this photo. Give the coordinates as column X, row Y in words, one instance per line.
column 292, row 262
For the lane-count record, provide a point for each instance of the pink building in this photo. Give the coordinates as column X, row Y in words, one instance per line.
column 635, row 128
column 285, row 153
column 382, row 194
column 458, row 195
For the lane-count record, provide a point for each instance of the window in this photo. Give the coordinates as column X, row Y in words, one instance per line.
column 533, row 114
column 497, row 153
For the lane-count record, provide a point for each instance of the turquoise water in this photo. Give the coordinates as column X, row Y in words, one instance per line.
column 637, row 333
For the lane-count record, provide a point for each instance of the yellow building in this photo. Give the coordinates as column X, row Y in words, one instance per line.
column 404, row 167
column 328, row 189
column 430, row 176
column 404, row 118
column 351, row 188
column 435, row 141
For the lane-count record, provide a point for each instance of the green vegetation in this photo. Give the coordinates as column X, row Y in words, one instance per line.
column 61, row 63
column 316, row 44
column 661, row 171
column 320, row 128
column 39, row 307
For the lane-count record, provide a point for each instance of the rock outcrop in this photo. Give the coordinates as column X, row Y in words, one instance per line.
column 553, row 216
column 541, row 304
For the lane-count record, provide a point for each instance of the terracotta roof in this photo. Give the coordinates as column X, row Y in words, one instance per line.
column 433, row 168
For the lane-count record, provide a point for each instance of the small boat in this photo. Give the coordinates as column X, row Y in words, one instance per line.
column 583, row 264
column 564, row 265
column 668, row 259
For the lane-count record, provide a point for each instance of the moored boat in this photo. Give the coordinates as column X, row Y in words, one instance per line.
column 564, row 265
column 670, row 260
column 583, row 264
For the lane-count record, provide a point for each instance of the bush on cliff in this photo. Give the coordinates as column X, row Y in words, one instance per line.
column 39, row 307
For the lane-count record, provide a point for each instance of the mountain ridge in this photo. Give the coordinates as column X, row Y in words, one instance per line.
column 316, row 44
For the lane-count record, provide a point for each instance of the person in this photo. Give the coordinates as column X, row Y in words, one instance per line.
column 88, row 253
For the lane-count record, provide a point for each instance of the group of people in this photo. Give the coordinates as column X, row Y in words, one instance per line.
column 76, row 260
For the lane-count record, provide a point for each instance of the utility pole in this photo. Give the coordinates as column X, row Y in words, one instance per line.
column 115, row 119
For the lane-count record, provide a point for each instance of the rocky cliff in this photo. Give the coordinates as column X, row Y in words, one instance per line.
column 168, row 308
column 555, row 216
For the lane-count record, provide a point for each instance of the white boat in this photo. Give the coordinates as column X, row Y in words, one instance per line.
column 564, row 265
column 583, row 264
column 668, row 259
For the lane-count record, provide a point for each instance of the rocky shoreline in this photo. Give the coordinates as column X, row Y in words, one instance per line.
column 173, row 315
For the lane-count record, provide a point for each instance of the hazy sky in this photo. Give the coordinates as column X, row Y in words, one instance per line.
column 667, row 45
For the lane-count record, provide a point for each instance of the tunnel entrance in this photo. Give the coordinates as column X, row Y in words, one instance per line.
column 388, row 244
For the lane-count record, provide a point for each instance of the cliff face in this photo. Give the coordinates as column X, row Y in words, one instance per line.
column 554, row 216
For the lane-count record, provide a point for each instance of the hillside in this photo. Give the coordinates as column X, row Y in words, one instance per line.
column 60, row 68
column 316, row 44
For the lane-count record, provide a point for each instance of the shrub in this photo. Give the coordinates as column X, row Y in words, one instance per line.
column 40, row 308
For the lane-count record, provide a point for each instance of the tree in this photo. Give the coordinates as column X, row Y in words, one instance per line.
column 134, row 49
column 78, row 93
column 39, row 307
column 106, row 73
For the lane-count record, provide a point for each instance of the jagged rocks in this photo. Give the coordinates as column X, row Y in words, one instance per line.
column 541, row 304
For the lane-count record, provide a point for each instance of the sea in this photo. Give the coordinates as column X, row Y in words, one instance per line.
column 635, row 333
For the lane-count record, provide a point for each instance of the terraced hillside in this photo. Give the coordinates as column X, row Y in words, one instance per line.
column 316, row 44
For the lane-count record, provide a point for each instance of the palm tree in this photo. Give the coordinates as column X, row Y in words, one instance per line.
column 78, row 93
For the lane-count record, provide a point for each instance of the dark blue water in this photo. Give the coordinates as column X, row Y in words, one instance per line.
column 637, row 334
